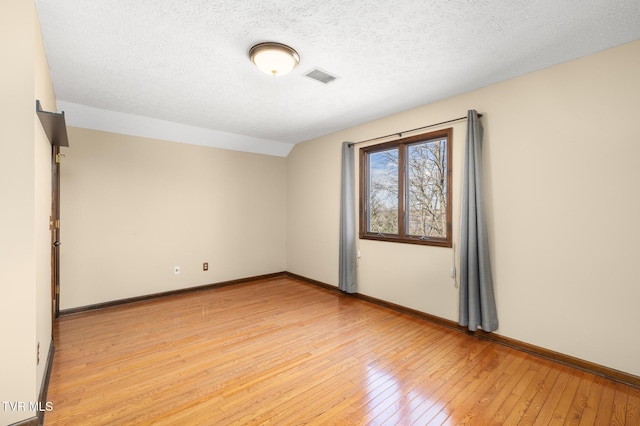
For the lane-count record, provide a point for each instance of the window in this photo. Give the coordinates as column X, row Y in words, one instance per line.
column 405, row 190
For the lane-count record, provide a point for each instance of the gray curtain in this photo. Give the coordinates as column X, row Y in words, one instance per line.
column 477, row 301
column 347, row 278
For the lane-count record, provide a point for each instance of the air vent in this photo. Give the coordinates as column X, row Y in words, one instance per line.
column 321, row 76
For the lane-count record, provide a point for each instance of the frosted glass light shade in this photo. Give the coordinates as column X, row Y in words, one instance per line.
column 274, row 58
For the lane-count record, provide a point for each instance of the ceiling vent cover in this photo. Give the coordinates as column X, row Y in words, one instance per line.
column 321, row 76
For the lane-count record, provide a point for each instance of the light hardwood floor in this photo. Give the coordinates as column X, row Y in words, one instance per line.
column 283, row 352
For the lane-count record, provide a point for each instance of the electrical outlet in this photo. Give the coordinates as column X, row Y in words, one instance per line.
column 205, row 266
column 176, row 270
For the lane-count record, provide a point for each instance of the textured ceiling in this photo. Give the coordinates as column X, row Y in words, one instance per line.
column 182, row 65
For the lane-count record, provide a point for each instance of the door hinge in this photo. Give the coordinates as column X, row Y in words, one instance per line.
column 59, row 157
column 54, row 224
column 57, row 288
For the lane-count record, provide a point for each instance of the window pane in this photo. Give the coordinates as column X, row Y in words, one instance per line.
column 404, row 190
column 383, row 192
column 426, row 189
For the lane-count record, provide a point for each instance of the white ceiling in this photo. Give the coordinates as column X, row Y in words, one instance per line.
column 179, row 69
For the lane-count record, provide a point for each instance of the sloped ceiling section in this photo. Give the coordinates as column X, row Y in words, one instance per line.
column 129, row 124
column 181, row 68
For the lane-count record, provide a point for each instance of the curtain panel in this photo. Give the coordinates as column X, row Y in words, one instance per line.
column 477, row 301
column 347, row 252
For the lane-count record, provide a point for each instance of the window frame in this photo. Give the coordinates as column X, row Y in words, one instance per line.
column 401, row 145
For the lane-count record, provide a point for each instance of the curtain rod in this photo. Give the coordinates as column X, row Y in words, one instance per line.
column 399, row 134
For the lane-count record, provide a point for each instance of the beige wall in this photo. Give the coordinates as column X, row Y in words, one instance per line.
column 133, row 208
column 25, row 188
column 561, row 152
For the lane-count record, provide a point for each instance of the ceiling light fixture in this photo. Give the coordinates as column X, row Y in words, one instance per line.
column 274, row 58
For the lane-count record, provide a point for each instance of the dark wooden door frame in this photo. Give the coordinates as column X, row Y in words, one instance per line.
column 55, row 127
column 54, row 225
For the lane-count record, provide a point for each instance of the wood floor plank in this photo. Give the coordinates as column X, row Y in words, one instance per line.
column 561, row 412
column 472, row 403
column 512, row 393
column 422, row 373
column 434, row 374
column 590, row 411
column 619, row 407
column 283, row 352
column 633, row 407
column 580, row 400
column 604, row 412
column 475, row 386
column 377, row 378
column 538, row 388
column 541, row 409
column 445, row 393
column 488, row 403
column 413, row 392
column 398, row 384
